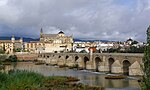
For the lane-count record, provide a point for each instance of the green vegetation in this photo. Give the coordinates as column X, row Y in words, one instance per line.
column 20, row 80
column 25, row 80
column 83, row 51
column 146, row 84
column 17, row 50
column 3, row 58
column 134, row 42
column 131, row 49
column 134, row 49
column 2, row 51
column 12, row 58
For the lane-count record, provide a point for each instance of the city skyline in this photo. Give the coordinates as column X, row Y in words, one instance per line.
column 96, row 19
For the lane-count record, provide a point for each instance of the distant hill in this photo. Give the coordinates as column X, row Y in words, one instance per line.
column 82, row 40
column 25, row 39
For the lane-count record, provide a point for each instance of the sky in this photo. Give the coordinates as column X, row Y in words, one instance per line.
column 115, row 20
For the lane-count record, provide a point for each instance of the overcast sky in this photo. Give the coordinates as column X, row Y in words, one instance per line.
column 88, row 19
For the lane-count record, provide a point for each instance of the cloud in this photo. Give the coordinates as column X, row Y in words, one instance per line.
column 88, row 19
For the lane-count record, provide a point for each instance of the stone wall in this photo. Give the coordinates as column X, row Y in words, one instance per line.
column 26, row 56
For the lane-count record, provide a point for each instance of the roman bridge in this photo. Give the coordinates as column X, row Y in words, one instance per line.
column 120, row 63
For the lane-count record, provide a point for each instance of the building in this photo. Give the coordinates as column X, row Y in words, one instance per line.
column 59, row 38
column 104, row 46
column 10, row 45
column 35, row 47
column 51, row 43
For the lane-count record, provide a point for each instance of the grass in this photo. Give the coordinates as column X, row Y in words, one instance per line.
column 20, row 80
column 25, row 80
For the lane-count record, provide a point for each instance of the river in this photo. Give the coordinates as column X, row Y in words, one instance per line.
column 86, row 77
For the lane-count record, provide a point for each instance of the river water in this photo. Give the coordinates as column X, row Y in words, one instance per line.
column 86, row 77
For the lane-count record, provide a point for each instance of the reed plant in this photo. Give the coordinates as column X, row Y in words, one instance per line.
column 26, row 80
column 20, row 80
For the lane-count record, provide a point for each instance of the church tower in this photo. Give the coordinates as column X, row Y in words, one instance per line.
column 13, row 38
column 41, row 34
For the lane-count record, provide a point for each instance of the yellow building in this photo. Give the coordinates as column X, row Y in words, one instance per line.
column 9, row 45
column 51, row 43
column 35, row 47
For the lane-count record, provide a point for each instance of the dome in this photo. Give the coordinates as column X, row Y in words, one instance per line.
column 61, row 32
column 129, row 39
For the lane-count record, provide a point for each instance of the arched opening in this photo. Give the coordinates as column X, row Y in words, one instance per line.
column 126, row 65
column 76, row 58
column 97, row 61
column 110, row 62
column 67, row 57
column 85, row 60
column 47, row 56
column 59, row 57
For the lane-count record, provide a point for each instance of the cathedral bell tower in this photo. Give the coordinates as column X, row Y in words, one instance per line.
column 41, row 34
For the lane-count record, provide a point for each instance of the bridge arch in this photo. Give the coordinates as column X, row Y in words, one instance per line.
column 110, row 62
column 85, row 61
column 126, row 65
column 97, row 61
column 76, row 58
column 67, row 57
column 48, row 56
column 59, row 56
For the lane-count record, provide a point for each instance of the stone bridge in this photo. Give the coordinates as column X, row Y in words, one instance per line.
column 120, row 63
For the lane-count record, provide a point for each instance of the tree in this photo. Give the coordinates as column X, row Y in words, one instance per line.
column 148, row 34
column 17, row 50
column 134, row 42
column 3, row 57
column 146, row 69
column 12, row 58
column 2, row 51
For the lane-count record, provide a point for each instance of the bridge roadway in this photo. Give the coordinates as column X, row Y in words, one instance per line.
column 120, row 63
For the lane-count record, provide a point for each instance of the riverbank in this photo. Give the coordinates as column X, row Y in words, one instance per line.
column 26, row 80
column 86, row 77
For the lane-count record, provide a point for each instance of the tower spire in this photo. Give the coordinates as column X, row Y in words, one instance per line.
column 41, row 33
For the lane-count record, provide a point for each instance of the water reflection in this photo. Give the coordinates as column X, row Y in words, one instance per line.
column 86, row 77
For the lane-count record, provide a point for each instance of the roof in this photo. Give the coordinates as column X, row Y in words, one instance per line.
column 8, row 41
column 5, row 41
column 49, row 35
column 129, row 39
column 61, row 32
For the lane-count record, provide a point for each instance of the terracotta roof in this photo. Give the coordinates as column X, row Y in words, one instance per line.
column 8, row 41
column 5, row 41
column 35, row 42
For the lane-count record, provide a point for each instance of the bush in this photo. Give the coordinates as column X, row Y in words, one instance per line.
column 17, row 50
column 2, row 51
column 3, row 57
column 12, row 58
